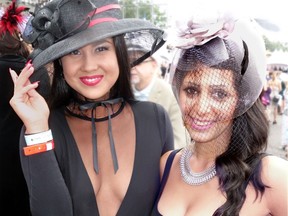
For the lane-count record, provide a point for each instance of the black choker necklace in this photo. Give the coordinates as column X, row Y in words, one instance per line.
column 92, row 106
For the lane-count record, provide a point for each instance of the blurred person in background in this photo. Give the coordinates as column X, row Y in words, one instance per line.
column 13, row 54
column 282, row 93
column 164, row 65
column 148, row 85
column 284, row 140
column 265, row 99
column 275, row 85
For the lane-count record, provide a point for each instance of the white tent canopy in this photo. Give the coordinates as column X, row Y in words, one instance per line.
column 278, row 60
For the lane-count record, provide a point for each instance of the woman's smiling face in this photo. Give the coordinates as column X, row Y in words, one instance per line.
column 208, row 100
column 92, row 70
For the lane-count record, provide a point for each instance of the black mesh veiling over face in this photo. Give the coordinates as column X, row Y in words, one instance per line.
column 216, row 82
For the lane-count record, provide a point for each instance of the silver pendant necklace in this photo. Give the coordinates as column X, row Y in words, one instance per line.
column 190, row 177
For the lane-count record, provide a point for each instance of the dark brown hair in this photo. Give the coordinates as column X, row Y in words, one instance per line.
column 12, row 44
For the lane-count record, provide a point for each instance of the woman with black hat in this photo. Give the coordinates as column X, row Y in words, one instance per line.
column 217, row 76
column 98, row 152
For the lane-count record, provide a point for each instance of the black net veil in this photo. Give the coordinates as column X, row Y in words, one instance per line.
column 217, row 78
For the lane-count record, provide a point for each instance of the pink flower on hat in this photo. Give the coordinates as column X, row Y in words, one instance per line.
column 200, row 30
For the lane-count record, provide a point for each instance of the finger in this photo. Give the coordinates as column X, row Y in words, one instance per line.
column 13, row 75
column 23, row 78
column 29, row 90
column 32, row 92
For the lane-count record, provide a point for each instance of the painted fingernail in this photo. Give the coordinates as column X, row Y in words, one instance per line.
column 29, row 65
column 36, row 82
column 29, row 61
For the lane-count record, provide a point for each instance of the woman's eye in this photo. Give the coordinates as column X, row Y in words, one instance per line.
column 75, row 52
column 101, row 48
column 220, row 94
column 190, row 91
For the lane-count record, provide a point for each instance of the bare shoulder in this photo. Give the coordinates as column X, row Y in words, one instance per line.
column 274, row 169
column 275, row 176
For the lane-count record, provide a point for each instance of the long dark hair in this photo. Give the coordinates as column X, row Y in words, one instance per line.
column 62, row 93
column 13, row 44
column 240, row 164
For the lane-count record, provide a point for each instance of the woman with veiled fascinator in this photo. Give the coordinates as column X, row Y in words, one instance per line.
column 217, row 76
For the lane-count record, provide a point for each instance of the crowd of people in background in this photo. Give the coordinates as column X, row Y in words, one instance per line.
column 274, row 97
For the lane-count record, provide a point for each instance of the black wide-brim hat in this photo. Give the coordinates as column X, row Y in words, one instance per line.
column 62, row 26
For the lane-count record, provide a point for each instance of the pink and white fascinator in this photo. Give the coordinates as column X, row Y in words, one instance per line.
column 200, row 28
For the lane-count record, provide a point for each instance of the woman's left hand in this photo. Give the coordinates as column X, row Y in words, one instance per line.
column 29, row 105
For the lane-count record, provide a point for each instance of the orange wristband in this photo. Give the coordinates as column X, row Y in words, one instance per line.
column 38, row 148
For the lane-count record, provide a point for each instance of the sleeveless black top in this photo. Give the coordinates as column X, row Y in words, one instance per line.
column 167, row 169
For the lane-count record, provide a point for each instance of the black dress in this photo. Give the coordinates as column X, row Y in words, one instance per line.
column 13, row 190
column 14, row 197
column 59, row 184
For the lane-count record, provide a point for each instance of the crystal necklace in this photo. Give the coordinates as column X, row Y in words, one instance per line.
column 190, row 177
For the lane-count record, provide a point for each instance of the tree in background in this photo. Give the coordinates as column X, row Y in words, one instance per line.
column 273, row 46
column 144, row 9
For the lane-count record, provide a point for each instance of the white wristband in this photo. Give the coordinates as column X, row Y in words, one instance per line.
column 37, row 138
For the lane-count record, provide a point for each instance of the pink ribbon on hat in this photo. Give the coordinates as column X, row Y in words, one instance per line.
column 200, row 31
column 104, row 19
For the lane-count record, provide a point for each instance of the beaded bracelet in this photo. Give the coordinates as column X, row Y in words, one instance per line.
column 42, row 137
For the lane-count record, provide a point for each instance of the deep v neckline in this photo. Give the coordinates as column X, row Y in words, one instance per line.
column 85, row 173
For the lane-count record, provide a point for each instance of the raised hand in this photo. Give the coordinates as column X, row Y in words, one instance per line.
column 29, row 105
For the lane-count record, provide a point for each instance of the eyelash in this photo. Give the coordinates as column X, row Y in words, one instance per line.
column 221, row 94
column 217, row 94
column 97, row 49
column 74, row 52
column 190, row 91
column 102, row 48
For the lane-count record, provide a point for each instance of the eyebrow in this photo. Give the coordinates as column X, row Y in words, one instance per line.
column 220, row 85
column 199, row 84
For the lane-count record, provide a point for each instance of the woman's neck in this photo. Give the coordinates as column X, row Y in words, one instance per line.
column 98, row 110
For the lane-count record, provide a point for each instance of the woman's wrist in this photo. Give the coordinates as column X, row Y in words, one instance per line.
column 38, row 148
column 36, row 128
column 38, row 142
column 37, row 138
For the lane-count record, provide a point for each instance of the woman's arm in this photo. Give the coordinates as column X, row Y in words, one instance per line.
column 48, row 192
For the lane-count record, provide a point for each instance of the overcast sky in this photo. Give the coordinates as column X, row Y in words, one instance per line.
column 274, row 11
